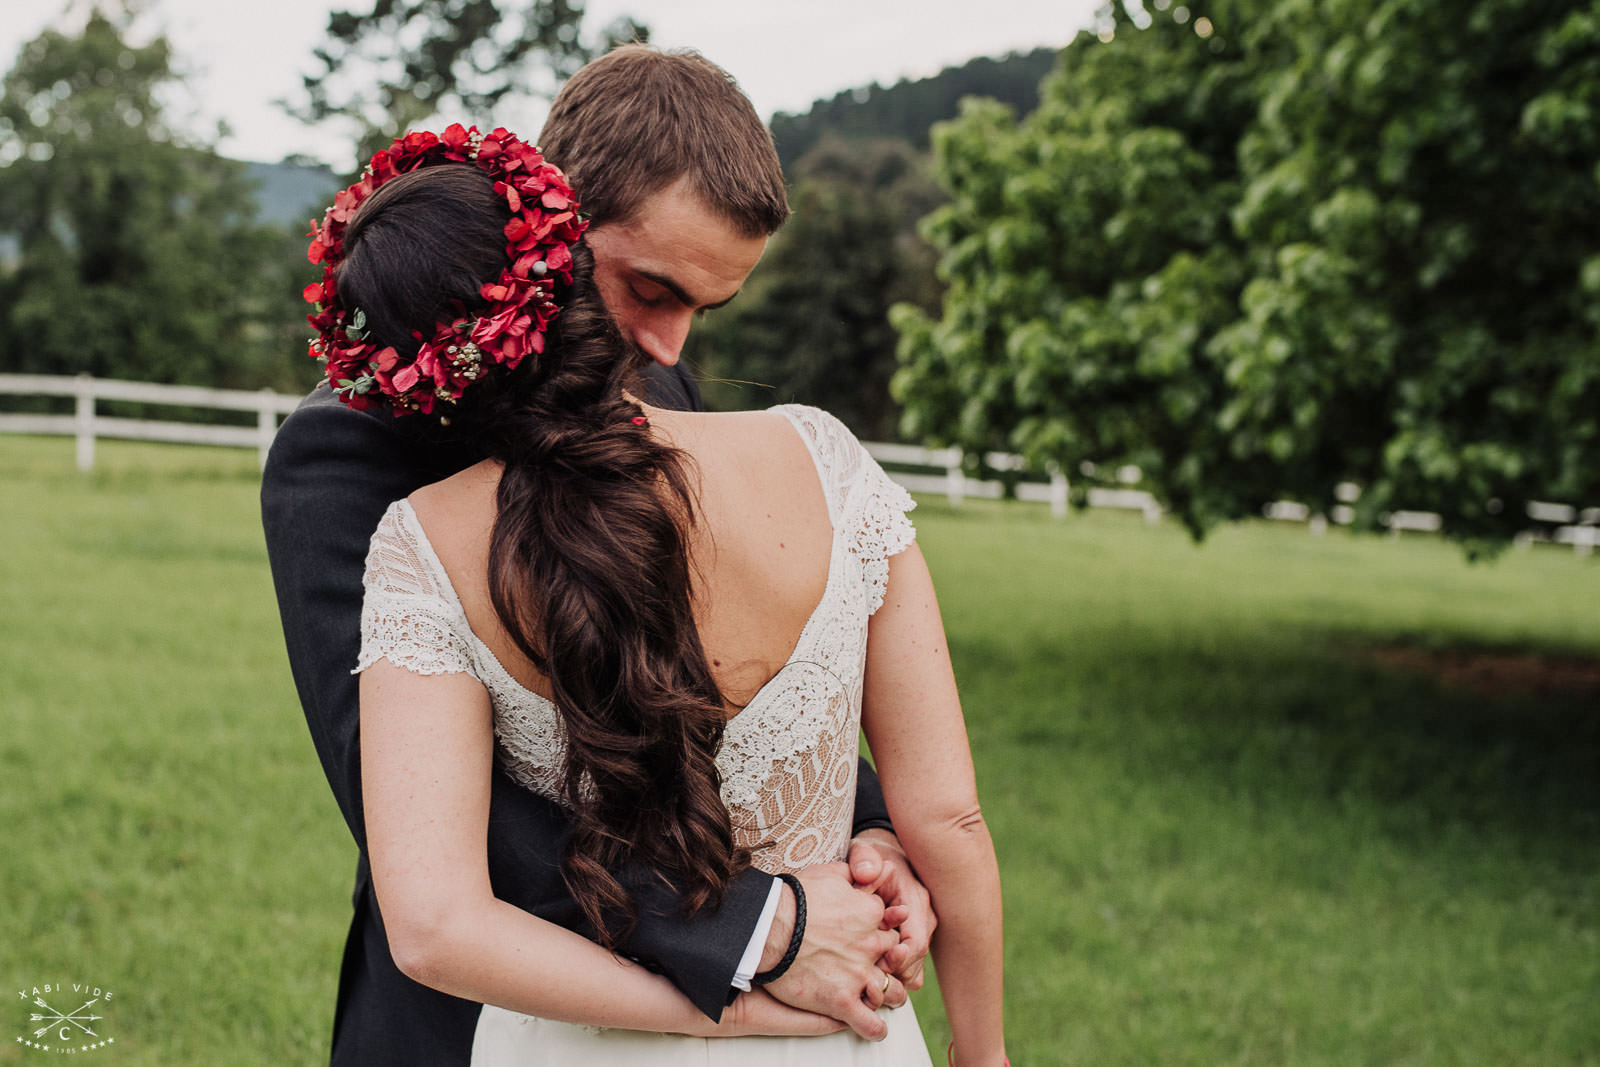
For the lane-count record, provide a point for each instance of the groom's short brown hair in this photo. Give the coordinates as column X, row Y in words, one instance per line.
column 638, row 119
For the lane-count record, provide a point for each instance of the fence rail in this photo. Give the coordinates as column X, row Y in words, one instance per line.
column 87, row 425
column 942, row 469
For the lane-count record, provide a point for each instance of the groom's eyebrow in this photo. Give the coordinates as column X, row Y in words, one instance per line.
column 682, row 295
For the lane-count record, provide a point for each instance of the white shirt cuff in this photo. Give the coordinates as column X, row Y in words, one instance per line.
column 758, row 940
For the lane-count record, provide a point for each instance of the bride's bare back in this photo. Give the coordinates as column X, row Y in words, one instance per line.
column 759, row 550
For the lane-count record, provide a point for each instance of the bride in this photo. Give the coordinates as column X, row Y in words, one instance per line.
column 674, row 623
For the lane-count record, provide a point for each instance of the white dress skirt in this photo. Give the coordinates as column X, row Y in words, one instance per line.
column 507, row 1039
column 788, row 758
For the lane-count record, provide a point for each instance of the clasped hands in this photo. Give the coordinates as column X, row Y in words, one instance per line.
column 869, row 922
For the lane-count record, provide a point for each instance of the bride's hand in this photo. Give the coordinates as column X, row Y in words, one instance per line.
column 877, row 862
column 758, row 1013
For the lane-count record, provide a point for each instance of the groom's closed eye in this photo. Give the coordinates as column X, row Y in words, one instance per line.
column 658, row 291
column 651, row 294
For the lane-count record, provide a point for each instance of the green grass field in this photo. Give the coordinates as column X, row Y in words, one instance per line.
column 1229, row 832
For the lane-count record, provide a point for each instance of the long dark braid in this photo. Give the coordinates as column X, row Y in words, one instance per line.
column 588, row 572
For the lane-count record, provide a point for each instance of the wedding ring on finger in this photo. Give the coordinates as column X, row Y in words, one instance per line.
column 885, row 990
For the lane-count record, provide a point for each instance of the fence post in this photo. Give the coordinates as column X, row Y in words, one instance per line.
column 1584, row 540
column 1058, row 492
column 83, row 389
column 266, row 423
column 955, row 481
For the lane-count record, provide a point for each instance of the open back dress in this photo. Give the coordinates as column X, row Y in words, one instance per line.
column 788, row 758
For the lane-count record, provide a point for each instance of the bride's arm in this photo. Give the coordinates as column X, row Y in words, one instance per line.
column 427, row 750
column 912, row 718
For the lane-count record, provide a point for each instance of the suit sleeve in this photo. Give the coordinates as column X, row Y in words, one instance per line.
column 671, row 387
column 329, row 477
column 872, row 813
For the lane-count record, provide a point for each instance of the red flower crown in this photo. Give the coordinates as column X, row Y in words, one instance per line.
column 544, row 226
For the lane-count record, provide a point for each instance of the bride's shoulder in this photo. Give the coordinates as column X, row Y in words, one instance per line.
column 815, row 424
column 464, row 489
column 783, row 427
column 460, row 509
column 720, row 431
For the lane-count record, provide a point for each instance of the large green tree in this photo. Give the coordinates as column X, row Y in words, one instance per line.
column 136, row 251
column 1262, row 248
column 390, row 68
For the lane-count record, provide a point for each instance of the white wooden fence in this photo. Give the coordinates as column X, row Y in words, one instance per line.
column 86, row 424
column 942, row 471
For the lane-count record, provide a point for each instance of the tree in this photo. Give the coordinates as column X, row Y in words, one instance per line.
column 1280, row 246
column 395, row 66
column 813, row 322
column 137, row 253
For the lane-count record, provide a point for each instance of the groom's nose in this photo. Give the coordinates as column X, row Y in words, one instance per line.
column 662, row 333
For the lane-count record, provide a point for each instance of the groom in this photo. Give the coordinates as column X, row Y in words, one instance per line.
column 683, row 188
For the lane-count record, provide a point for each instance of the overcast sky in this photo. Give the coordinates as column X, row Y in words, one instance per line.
column 242, row 55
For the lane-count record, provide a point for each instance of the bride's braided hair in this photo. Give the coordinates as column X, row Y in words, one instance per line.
column 588, row 566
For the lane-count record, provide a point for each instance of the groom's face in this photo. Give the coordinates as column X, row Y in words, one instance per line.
column 673, row 259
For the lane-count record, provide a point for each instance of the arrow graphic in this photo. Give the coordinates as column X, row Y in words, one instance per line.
column 75, row 1017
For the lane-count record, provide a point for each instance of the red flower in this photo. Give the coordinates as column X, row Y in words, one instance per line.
column 382, row 167
column 405, row 378
column 416, row 144
column 427, row 363
column 312, row 293
column 559, row 257
column 345, row 204
column 512, row 322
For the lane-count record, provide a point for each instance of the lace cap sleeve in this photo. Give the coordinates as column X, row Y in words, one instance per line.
column 868, row 507
column 410, row 615
column 880, row 526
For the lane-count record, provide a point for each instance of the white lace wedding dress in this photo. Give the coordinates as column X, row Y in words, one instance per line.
column 788, row 759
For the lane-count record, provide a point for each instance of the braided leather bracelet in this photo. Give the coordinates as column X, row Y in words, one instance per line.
column 782, row 966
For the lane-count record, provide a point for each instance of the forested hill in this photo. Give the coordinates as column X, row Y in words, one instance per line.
column 289, row 193
column 907, row 109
